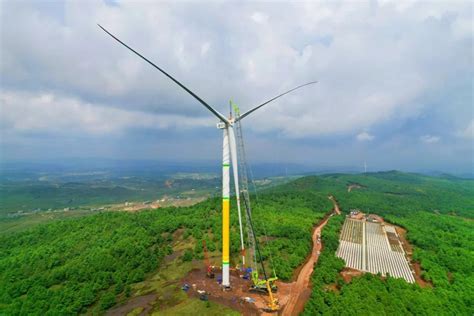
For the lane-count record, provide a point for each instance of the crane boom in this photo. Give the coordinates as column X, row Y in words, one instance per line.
column 244, row 187
column 267, row 284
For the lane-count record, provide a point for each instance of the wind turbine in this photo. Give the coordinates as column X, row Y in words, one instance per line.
column 229, row 153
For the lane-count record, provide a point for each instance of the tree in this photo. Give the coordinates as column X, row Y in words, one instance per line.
column 107, row 301
column 188, row 255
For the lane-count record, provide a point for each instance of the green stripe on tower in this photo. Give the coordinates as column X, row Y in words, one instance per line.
column 225, row 262
column 225, row 198
column 225, row 165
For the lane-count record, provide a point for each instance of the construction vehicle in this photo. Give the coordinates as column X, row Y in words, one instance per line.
column 203, row 295
column 266, row 285
column 273, row 305
column 209, row 269
column 261, row 286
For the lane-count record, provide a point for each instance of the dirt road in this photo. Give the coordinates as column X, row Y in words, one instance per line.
column 336, row 206
column 300, row 289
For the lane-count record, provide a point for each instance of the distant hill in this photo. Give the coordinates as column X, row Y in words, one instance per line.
column 395, row 192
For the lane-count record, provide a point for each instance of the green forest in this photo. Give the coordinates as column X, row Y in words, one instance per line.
column 89, row 264
column 46, row 194
column 85, row 264
column 443, row 244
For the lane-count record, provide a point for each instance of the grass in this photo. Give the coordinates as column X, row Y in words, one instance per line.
column 136, row 311
column 171, row 300
column 18, row 224
column 192, row 306
column 166, row 282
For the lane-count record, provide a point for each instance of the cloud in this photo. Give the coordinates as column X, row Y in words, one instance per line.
column 26, row 113
column 259, row 17
column 369, row 73
column 205, row 48
column 374, row 62
column 429, row 139
column 364, row 136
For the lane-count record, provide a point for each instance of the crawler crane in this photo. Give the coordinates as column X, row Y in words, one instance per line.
column 267, row 285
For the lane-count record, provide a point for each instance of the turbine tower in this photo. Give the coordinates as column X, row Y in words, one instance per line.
column 229, row 155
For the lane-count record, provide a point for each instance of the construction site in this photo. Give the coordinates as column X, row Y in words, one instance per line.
column 253, row 295
column 368, row 244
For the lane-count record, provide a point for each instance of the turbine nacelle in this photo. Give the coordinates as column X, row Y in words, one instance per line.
column 221, row 125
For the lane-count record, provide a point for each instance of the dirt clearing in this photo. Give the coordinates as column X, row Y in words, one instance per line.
column 145, row 303
column 292, row 296
column 409, row 251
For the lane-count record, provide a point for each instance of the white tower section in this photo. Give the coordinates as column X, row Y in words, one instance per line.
column 225, row 208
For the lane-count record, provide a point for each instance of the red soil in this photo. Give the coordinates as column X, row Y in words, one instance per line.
column 301, row 289
column 291, row 296
column 348, row 273
column 409, row 251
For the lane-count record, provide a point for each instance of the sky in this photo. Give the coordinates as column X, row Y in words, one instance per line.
column 395, row 81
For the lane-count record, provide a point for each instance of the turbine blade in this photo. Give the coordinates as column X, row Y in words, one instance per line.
column 259, row 106
column 235, row 166
column 210, row 108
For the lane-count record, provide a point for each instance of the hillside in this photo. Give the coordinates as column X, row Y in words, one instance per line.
column 90, row 191
column 42, row 191
column 437, row 214
column 91, row 263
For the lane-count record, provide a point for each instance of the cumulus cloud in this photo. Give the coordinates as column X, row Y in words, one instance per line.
column 49, row 113
column 364, row 136
column 374, row 62
column 259, row 17
column 429, row 139
column 375, row 68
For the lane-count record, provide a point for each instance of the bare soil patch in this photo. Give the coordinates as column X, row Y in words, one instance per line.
column 348, row 273
column 233, row 298
column 353, row 186
column 332, row 287
column 409, row 251
column 145, row 302
column 418, row 276
column 147, row 205
column 337, row 210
